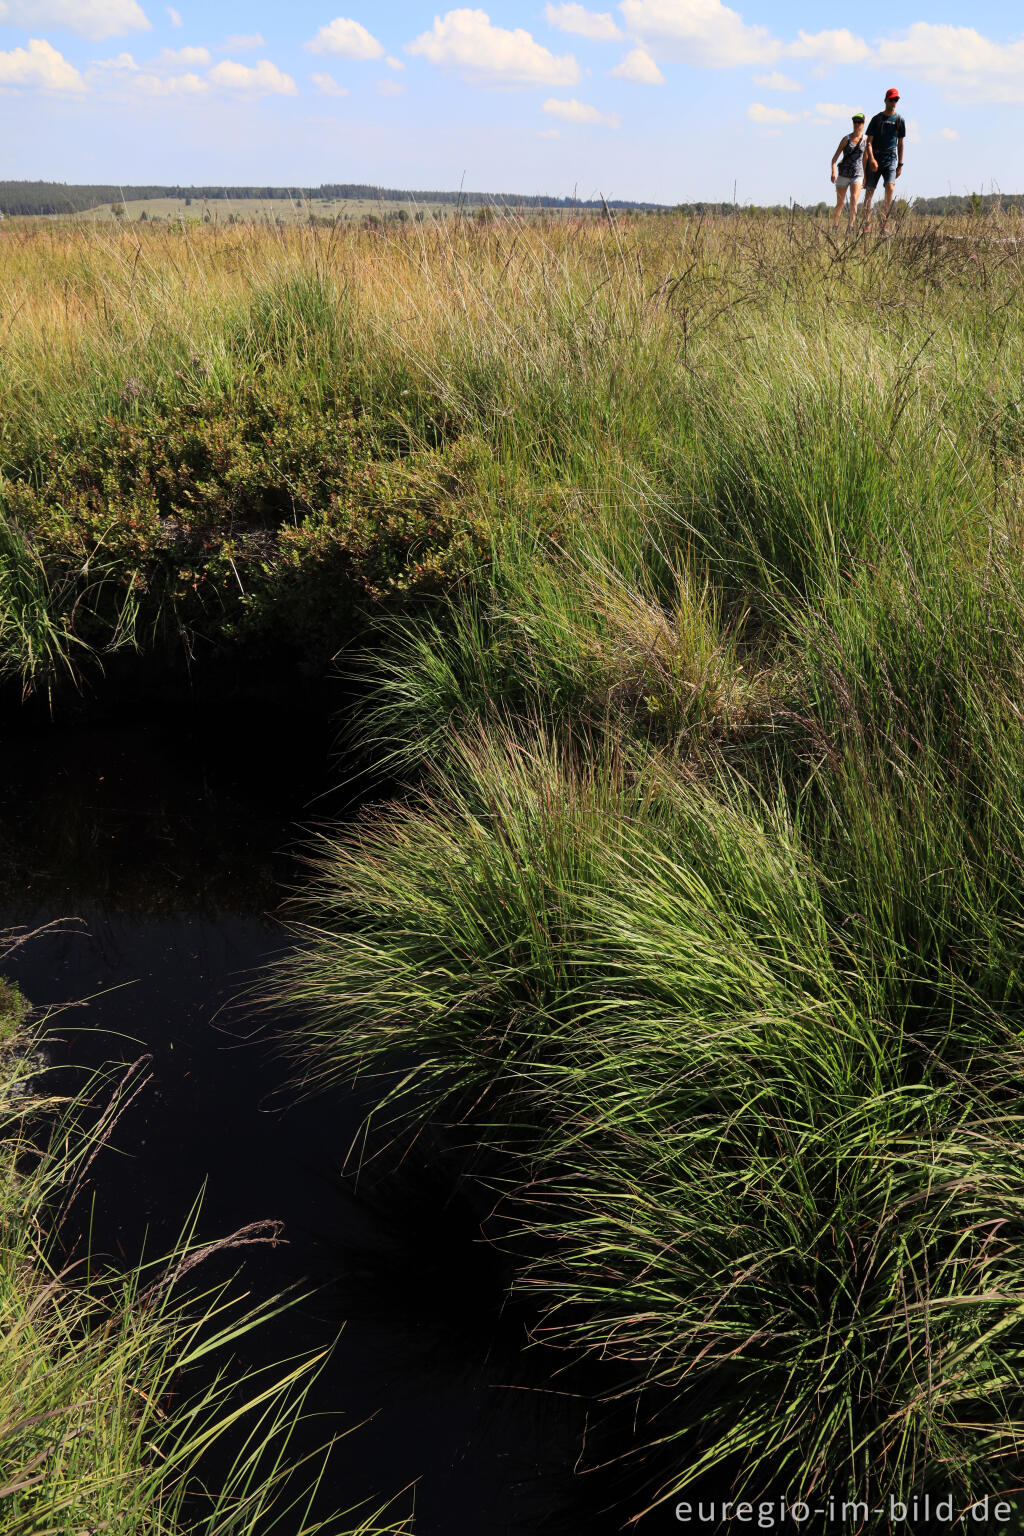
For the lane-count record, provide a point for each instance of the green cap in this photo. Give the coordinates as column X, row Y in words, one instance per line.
column 859, row 114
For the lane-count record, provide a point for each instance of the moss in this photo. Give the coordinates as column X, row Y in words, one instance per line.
column 14, row 1010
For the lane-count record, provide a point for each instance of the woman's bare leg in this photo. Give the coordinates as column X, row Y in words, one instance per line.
column 854, row 199
column 840, row 200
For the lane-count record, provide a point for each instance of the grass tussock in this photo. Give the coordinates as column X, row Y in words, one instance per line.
column 781, row 1194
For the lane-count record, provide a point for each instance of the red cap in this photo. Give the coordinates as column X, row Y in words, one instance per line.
column 892, row 94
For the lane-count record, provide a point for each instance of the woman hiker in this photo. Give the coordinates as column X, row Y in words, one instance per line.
column 850, row 175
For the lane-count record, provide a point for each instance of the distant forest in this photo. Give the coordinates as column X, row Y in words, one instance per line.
column 975, row 202
column 56, row 197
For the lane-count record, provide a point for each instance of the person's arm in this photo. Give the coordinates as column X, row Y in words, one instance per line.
column 835, row 157
column 869, row 154
column 899, row 141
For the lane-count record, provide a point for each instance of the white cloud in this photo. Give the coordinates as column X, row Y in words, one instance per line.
column 713, row 35
column 578, row 112
column 834, row 47
column 639, row 67
column 263, row 77
column 777, row 82
column 833, row 110
column 239, row 42
column 599, row 26
column 770, row 116
column 123, row 61
column 39, row 65
column 960, row 59
column 390, row 88
column 349, row 39
column 169, row 58
column 549, row 133
column 156, row 77
column 168, row 85
column 466, row 41
column 328, row 86
column 95, row 19
column 393, row 63
column 174, row 15
column 948, row 133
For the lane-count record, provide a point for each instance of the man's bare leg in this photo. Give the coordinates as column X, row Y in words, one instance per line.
column 868, row 195
column 890, row 193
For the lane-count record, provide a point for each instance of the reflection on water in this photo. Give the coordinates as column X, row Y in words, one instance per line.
column 168, row 836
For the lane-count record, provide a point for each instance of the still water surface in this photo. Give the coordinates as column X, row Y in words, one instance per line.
column 169, row 837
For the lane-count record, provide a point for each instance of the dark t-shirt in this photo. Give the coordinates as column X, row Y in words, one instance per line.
column 885, row 134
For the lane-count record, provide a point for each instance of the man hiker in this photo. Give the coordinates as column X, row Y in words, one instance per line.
column 884, row 158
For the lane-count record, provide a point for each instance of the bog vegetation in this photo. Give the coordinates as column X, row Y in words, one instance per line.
column 681, row 562
column 104, row 1424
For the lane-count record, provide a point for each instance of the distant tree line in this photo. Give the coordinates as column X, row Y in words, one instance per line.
column 54, row 197
column 974, row 202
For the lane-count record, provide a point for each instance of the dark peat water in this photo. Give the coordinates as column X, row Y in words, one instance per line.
column 163, row 839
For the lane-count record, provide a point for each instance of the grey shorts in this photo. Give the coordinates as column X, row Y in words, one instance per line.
column 842, row 182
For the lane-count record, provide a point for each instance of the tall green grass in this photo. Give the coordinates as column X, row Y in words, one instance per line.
column 116, row 1387
column 758, row 1190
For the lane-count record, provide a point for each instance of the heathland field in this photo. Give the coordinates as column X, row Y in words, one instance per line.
column 260, row 210
column 681, row 565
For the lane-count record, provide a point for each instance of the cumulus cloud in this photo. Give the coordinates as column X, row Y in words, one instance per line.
column 157, row 77
column 770, row 116
column 393, row 63
column 174, row 15
column 347, row 38
column 390, row 88
column 239, row 42
column 777, row 82
column 948, row 133
column 465, row 40
column 835, row 46
column 328, row 86
column 579, row 112
column 94, row 19
column 833, row 110
column 263, row 78
column 960, row 59
column 711, row 33
column 169, row 58
column 549, row 133
column 599, row 26
column 188, row 84
column 639, row 67
column 123, row 61
column 39, row 65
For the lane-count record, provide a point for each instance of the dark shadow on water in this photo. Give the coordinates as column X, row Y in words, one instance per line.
column 170, row 831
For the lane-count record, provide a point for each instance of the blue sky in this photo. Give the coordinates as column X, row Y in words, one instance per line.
column 671, row 100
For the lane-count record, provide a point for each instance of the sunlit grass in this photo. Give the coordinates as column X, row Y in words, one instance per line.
column 679, row 561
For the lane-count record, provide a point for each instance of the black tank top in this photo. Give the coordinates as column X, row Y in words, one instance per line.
column 852, row 163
